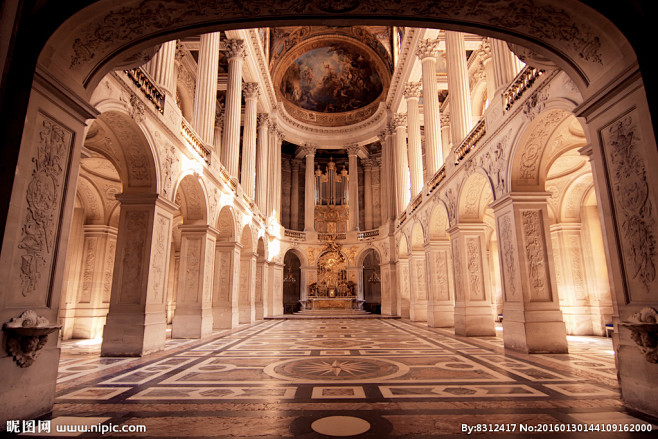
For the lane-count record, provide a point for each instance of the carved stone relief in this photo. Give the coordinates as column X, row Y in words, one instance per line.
column 133, row 253
column 474, row 267
column 508, row 253
column 43, row 197
column 535, row 253
column 192, row 267
column 577, row 268
column 441, row 268
column 457, row 264
column 87, row 283
column 109, row 270
column 635, row 216
column 158, row 267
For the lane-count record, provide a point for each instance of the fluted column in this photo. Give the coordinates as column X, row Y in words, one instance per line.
column 460, row 96
column 384, row 138
column 219, row 126
column 162, row 67
column 427, row 52
column 505, row 64
column 353, row 187
column 294, row 194
column 205, row 94
column 367, row 194
column 230, row 155
column 309, row 188
column 274, row 160
column 401, row 163
column 261, row 162
column 415, row 151
column 248, row 177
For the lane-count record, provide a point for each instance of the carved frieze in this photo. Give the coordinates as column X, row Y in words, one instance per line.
column 535, row 252
column 508, row 256
column 474, row 268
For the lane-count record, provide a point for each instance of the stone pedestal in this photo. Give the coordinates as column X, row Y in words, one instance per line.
column 472, row 291
column 136, row 322
column 441, row 293
column 226, row 285
column 532, row 320
column 193, row 317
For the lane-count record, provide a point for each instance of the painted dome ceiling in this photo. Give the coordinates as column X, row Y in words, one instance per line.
column 330, row 76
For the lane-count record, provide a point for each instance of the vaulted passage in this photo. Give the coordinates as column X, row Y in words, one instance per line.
column 276, row 378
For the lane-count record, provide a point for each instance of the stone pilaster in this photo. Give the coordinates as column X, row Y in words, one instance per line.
column 532, row 320
column 473, row 315
column 367, row 194
column 246, row 309
column 226, row 285
column 403, row 284
column 441, row 287
column 136, row 322
column 294, row 195
column 388, row 289
column 418, row 287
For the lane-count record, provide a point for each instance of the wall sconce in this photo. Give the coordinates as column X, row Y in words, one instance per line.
column 26, row 335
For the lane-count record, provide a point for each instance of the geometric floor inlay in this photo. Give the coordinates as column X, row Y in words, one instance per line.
column 391, row 378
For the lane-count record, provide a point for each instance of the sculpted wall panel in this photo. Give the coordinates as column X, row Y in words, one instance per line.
column 535, row 253
column 136, row 225
column 508, row 260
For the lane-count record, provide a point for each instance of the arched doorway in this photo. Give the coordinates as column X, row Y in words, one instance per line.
column 371, row 280
column 292, row 282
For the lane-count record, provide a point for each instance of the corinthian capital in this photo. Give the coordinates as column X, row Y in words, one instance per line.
column 250, row 90
column 235, row 49
column 309, row 149
column 428, row 49
column 352, row 149
column 399, row 120
column 412, row 90
column 263, row 119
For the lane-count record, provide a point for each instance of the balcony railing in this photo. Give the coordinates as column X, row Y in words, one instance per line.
column 521, row 83
column 436, row 180
column 470, row 142
column 194, row 140
column 332, row 236
column 293, row 234
column 367, row 234
column 150, row 90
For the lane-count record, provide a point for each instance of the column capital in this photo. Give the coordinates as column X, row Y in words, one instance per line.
column 309, row 149
column 381, row 136
column 352, row 149
column 251, row 90
column 262, row 119
column 235, row 49
column 399, row 120
column 428, row 49
column 485, row 48
column 412, row 90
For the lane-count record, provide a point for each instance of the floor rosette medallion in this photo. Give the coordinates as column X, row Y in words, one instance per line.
column 336, row 369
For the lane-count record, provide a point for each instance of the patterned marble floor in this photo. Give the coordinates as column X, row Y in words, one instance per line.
column 283, row 378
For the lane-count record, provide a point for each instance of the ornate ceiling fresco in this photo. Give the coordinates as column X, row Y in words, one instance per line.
column 331, row 76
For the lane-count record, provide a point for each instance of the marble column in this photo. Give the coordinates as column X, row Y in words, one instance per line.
column 309, row 188
column 193, row 317
column 418, row 287
column 162, row 66
column 278, row 139
column 248, row 177
column 441, row 288
column 458, row 88
column 427, row 53
column 93, row 300
column 532, row 320
column 353, row 187
column 226, row 285
column 294, row 195
column 136, row 322
column 261, row 162
column 205, row 93
column 367, row 194
column 473, row 315
column 401, row 163
column 415, row 151
column 387, row 193
column 230, row 155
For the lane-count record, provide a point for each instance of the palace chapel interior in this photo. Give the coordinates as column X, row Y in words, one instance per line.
column 246, row 220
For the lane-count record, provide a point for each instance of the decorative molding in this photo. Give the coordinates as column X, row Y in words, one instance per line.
column 27, row 335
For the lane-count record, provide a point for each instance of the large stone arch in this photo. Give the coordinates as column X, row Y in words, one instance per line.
column 190, row 195
column 227, row 225
column 439, row 223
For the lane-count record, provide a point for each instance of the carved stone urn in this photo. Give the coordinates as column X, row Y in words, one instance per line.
column 26, row 335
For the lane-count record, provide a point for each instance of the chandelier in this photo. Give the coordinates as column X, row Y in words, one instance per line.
column 374, row 278
column 289, row 278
